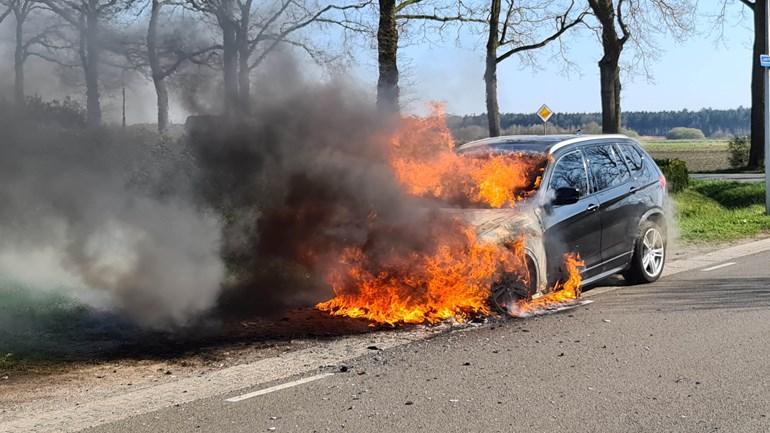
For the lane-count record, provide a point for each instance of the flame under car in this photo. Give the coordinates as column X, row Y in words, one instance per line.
column 600, row 197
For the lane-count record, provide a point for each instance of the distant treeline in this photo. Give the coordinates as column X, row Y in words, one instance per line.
column 713, row 123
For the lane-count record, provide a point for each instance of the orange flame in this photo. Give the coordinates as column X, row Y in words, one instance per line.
column 452, row 281
column 562, row 294
column 424, row 161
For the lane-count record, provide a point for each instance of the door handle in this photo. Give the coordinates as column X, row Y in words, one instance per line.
column 592, row 207
column 633, row 189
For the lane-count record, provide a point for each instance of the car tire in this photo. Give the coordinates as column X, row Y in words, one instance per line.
column 510, row 289
column 649, row 255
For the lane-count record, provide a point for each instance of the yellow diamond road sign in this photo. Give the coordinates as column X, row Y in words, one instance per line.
column 544, row 113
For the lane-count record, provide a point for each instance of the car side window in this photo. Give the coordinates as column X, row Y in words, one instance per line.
column 634, row 159
column 570, row 172
column 606, row 167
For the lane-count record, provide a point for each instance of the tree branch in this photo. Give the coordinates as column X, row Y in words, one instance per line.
column 563, row 27
column 188, row 56
column 457, row 18
column 5, row 14
column 405, row 4
column 52, row 60
column 623, row 26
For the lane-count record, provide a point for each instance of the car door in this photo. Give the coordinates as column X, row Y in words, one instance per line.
column 614, row 189
column 571, row 227
column 646, row 182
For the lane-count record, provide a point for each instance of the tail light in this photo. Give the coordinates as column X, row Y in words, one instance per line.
column 662, row 181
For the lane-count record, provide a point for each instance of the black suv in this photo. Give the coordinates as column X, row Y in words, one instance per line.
column 600, row 196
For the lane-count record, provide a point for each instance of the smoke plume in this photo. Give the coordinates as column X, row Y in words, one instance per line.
column 86, row 211
column 237, row 217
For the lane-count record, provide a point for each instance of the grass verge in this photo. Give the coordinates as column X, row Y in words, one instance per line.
column 720, row 211
column 7, row 363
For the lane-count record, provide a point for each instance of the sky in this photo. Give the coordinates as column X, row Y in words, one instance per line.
column 699, row 72
column 696, row 73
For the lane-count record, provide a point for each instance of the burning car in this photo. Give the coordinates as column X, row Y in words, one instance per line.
column 517, row 223
column 601, row 197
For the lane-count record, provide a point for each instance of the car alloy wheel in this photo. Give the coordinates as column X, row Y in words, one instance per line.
column 653, row 252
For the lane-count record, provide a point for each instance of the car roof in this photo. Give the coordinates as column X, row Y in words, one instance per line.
column 534, row 143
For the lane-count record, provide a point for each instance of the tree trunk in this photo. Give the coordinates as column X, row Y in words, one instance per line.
column 93, row 106
column 490, row 72
column 757, row 151
column 244, row 82
column 609, row 72
column 387, row 47
column 244, row 53
column 19, row 57
column 229, row 56
column 158, row 75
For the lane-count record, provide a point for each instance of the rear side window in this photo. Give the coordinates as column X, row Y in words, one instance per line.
column 634, row 159
column 570, row 172
column 607, row 169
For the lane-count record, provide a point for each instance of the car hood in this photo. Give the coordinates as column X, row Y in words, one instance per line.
column 499, row 225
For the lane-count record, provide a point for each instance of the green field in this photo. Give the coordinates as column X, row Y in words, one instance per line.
column 700, row 155
column 721, row 211
column 660, row 144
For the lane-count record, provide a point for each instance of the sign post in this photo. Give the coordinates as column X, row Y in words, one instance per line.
column 544, row 113
column 764, row 61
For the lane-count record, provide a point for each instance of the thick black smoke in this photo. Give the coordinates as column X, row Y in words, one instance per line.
column 304, row 177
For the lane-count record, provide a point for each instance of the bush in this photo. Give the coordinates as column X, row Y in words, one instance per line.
column 739, row 151
column 629, row 132
column 685, row 134
column 67, row 113
column 677, row 175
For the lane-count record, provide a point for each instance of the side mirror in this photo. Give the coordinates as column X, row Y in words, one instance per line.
column 566, row 196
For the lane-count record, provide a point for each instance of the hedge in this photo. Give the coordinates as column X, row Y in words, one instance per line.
column 675, row 170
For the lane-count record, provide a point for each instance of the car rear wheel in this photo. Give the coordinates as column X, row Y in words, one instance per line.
column 649, row 255
column 512, row 287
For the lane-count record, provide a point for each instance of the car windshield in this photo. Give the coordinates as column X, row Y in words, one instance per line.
column 513, row 171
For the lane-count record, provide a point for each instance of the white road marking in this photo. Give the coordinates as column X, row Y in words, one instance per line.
column 714, row 268
column 278, row 387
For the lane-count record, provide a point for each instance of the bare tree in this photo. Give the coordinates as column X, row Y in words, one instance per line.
column 637, row 22
column 520, row 31
column 251, row 30
column 262, row 30
column 166, row 55
column 758, row 13
column 36, row 42
column 392, row 14
column 87, row 18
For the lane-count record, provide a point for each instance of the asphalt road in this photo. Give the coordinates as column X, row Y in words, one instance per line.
column 735, row 177
column 687, row 354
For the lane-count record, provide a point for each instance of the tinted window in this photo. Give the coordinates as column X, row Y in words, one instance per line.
column 606, row 167
column 634, row 159
column 570, row 172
